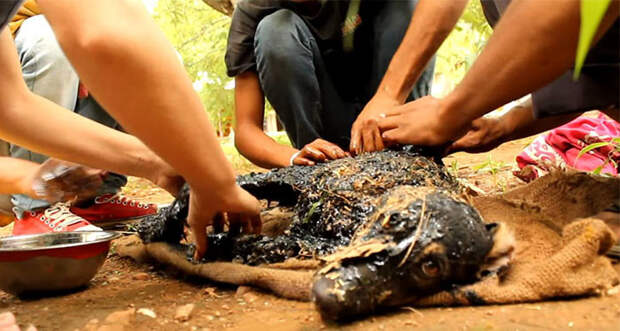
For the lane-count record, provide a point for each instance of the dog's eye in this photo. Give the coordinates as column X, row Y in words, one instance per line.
column 430, row 268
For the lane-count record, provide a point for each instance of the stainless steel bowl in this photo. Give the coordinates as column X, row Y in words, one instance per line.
column 52, row 261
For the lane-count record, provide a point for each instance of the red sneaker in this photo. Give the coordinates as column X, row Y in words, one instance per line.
column 56, row 218
column 114, row 207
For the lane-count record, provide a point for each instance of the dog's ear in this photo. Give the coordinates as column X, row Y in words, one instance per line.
column 498, row 259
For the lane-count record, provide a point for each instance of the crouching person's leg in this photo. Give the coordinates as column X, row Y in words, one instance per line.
column 294, row 79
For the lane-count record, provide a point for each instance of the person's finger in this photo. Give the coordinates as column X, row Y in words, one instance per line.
column 342, row 153
column 200, row 239
column 257, row 224
column 303, row 161
column 452, row 148
column 354, row 146
column 329, row 150
column 198, row 219
column 391, row 136
column 391, row 112
column 368, row 139
column 388, row 123
column 312, row 153
column 334, row 149
column 234, row 224
column 378, row 140
column 218, row 223
column 246, row 224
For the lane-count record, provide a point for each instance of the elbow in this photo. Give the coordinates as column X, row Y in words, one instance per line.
column 241, row 141
column 87, row 43
column 79, row 43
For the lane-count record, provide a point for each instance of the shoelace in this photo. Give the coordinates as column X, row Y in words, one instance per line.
column 60, row 217
column 119, row 198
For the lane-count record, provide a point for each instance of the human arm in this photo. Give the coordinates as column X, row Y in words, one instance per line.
column 430, row 25
column 166, row 114
column 53, row 180
column 514, row 63
column 250, row 139
column 32, row 121
column 259, row 148
column 487, row 133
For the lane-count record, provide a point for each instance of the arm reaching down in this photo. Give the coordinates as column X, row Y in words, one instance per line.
column 166, row 113
column 258, row 147
column 250, row 139
column 430, row 25
column 487, row 133
column 516, row 61
column 32, row 121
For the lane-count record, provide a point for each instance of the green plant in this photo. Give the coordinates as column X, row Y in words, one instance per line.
column 490, row 165
column 453, row 169
column 459, row 51
column 614, row 143
column 493, row 167
column 199, row 34
column 592, row 12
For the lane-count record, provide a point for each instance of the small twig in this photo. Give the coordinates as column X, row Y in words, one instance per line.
column 386, row 220
column 417, row 234
column 414, row 310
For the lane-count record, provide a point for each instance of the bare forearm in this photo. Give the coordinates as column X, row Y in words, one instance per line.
column 250, row 139
column 519, row 61
column 151, row 96
column 430, row 25
column 261, row 149
column 36, row 123
column 520, row 122
column 14, row 173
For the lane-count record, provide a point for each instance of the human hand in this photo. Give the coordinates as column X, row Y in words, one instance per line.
column 365, row 134
column 55, row 180
column 485, row 134
column 167, row 178
column 317, row 151
column 236, row 205
column 420, row 122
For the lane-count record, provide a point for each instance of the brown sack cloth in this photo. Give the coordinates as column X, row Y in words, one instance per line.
column 559, row 252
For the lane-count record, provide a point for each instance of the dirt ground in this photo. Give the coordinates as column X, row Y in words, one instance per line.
column 123, row 285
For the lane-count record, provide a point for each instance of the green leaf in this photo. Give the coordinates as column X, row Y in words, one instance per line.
column 592, row 146
column 598, row 169
column 312, row 210
column 481, row 166
column 592, row 12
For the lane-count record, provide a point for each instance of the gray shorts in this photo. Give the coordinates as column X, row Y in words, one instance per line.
column 8, row 8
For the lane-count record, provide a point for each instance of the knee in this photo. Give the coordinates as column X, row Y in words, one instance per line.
column 281, row 35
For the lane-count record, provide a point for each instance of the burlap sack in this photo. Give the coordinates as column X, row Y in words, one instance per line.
column 559, row 251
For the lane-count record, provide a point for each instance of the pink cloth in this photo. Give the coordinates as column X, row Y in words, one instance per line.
column 559, row 148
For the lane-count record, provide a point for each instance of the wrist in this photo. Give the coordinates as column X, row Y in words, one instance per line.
column 153, row 167
column 452, row 119
column 514, row 121
column 24, row 183
column 291, row 161
column 388, row 95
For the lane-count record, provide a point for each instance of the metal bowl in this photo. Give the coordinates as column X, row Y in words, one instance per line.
column 51, row 262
